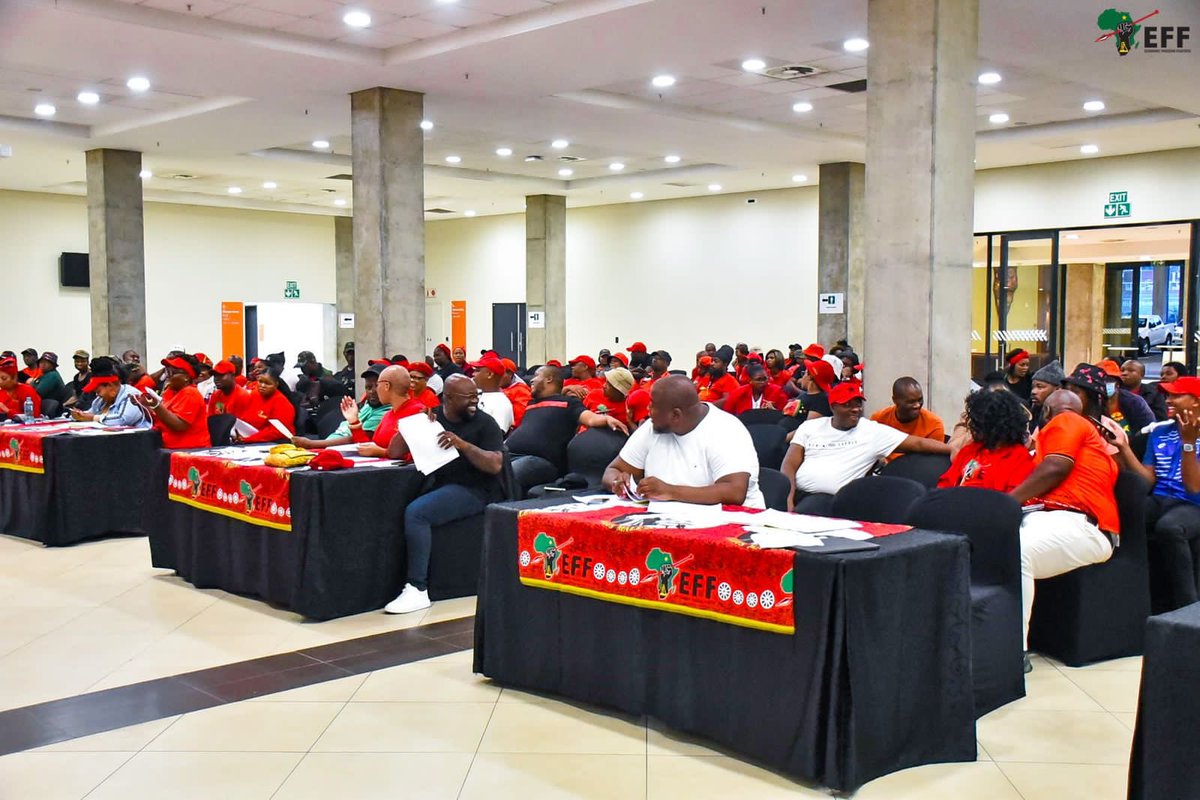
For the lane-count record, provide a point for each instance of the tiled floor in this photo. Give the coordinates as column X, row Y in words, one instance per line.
column 431, row 729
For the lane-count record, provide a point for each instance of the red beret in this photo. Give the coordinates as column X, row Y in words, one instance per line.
column 421, row 368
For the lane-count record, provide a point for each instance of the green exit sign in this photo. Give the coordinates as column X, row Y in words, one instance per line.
column 1118, row 205
column 292, row 290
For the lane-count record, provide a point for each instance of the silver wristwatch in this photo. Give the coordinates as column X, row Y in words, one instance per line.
column 1189, row 448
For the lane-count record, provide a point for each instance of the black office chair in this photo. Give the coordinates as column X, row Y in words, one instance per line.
column 770, row 442
column 588, row 454
column 220, row 427
column 51, row 408
column 1099, row 612
column 677, row 372
column 761, row 416
column 774, row 487
column 991, row 521
column 924, row 468
column 790, row 424
column 877, row 499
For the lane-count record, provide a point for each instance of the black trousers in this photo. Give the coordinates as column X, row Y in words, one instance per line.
column 530, row 471
column 1173, row 532
column 814, row 503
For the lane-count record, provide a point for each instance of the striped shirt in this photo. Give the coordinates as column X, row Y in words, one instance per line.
column 1164, row 452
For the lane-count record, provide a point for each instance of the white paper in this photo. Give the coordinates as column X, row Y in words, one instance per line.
column 801, row 523
column 599, row 500
column 774, row 538
column 700, row 516
column 279, row 426
column 243, row 428
column 421, row 435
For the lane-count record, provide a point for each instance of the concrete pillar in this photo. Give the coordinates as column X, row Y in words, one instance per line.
column 1084, row 331
column 919, row 197
column 841, row 255
column 116, row 252
column 389, row 222
column 546, row 276
column 343, row 247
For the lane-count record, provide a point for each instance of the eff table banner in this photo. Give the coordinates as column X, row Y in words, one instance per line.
column 21, row 447
column 256, row 494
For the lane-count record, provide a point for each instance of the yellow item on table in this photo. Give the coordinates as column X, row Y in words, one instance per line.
column 287, row 455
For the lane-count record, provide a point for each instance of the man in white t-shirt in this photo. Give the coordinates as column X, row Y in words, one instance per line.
column 829, row 452
column 489, row 371
column 691, row 452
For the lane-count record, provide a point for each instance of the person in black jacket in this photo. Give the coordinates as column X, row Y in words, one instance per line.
column 1133, row 372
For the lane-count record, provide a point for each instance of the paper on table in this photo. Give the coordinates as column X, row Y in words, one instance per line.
column 279, row 426
column 421, row 435
column 802, row 523
column 700, row 515
column 856, row 534
column 243, row 428
column 774, row 538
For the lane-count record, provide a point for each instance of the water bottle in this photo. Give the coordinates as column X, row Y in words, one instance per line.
column 28, row 408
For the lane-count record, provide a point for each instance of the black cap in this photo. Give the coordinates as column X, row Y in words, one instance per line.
column 305, row 357
column 663, row 354
column 29, row 351
column 1089, row 377
column 725, row 353
column 374, row 369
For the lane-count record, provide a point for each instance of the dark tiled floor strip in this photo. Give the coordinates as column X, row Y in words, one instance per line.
column 86, row 714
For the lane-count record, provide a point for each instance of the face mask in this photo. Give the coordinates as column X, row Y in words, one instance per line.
column 1110, row 389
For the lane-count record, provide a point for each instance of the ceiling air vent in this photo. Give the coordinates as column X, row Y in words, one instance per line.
column 790, row 72
column 680, row 185
column 340, row 177
column 850, row 87
column 182, row 176
column 438, row 211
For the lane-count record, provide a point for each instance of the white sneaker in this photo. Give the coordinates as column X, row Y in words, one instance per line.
column 410, row 600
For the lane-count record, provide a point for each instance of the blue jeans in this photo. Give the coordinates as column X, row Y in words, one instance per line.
column 435, row 508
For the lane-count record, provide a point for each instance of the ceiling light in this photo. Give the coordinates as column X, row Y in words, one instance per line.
column 357, row 19
column 1089, row 149
column 802, row 108
column 138, row 84
column 565, row 173
column 341, row 201
column 270, row 185
column 663, row 81
column 560, row 144
column 504, row 152
column 855, row 45
column 320, row 144
column 234, row 190
column 998, row 119
column 144, row 174
column 989, row 78
column 1072, row 235
column 468, row 213
column 754, row 65
column 616, row 166
column 453, row 159
column 714, row 187
column 1093, row 105
column 44, row 110
column 672, row 159
column 799, row 178
column 426, row 125
column 88, row 98
column 636, row 195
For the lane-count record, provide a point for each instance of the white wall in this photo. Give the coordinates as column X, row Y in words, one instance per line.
column 196, row 257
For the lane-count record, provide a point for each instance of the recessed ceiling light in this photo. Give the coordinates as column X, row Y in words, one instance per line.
column 998, row 119
column 672, row 159
column 320, row 144
column 663, row 81
column 855, row 45
column 234, row 190
column 616, row 166
column 341, row 201
column 469, row 213
column 138, row 84
column 754, row 65
column 144, row 174
column 270, row 185
column 504, row 152
column 1093, row 105
column 357, row 19
column 799, row 178
column 989, row 78
column 88, row 98
column 1089, row 149
column 636, row 195
column 560, row 144
column 426, row 125
column 44, row 110
column 453, row 159
column 714, row 187
column 1072, row 235
column 565, row 173
column 802, row 108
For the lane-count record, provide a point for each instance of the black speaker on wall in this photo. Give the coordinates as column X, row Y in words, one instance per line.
column 73, row 270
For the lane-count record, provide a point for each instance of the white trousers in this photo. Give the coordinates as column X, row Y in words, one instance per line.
column 1054, row 542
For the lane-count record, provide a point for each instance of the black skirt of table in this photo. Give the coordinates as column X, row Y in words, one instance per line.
column 1164, row 763
column 93, row 486
column 876, row 678
column 344, row 555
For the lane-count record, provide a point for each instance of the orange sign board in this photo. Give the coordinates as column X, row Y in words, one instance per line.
column 458, row 324
column 233, row 329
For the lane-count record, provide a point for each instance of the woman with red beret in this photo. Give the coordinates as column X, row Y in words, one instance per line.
column 180, row 413
column 420, row 373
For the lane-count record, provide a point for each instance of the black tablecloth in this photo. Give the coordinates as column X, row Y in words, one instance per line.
column 93, row 485
column 1165, row 762
column 344, row 555
column 876, row 678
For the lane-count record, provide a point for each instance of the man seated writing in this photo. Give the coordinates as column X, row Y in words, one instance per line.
column 691, row 451
column 828, row 452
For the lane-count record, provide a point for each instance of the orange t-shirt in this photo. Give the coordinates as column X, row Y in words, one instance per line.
column 927, row 425
column 519, row 395
column 188, row 405
column 715, row 390
column 1089, row 485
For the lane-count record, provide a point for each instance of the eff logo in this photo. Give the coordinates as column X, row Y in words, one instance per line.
column 1123, row 30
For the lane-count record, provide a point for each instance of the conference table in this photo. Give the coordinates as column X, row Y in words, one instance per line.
column 63, row 482
column 859, row 665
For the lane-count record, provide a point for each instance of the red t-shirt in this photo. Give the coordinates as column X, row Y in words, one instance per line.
column 782, row 377
column 387, row 426
column 591, row 383
column 258, row 410
column 742, row 399
column 1001, row 470
column 146, row 382
column 14, row 402
column 638, row 404
column 240, row 380
column 648, row 381
column 428, row 398
column 1089, row 485
column 188, row 405
column 712, row 392
column 519, row 395
column 232, row 403
column 597, row 403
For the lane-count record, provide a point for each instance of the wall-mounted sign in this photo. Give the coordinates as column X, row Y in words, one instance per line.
column 291, row 291
column 1118, row 205
column 536, row 318
column 831, row 303
column 345, row 320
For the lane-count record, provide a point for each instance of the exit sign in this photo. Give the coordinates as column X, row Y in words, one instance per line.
column 291, row 291
column 1118, row 205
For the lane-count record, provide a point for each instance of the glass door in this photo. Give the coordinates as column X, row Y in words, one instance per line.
column 1143, row 309
column 1026, row 295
